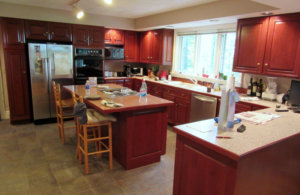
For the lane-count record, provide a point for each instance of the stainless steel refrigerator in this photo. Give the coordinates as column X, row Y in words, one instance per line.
column 47, row 62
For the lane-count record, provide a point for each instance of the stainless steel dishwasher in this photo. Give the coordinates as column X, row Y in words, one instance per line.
column 202, row 107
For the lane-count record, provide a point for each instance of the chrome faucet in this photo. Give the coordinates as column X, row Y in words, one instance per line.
column 195, row 81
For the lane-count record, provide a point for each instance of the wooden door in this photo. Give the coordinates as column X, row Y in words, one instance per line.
column 167, row 51
column 201, row 171
column 17, row 85
column 13, row 33
column 282, row 56
column 80, row 35
column 131, row 46
column 171, row 109
column 156, row 47
column 37, row 30
column 182, row 111
column 60, row 31
column 96, row 37
column 145, row 46
column 250, row 45
column 118, row 37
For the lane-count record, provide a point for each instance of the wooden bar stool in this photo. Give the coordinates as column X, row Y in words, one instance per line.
column 90, row 131
column 63, row 110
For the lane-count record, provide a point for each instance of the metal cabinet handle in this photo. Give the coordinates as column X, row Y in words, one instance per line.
column 45, row 34
column 258, row 64
column 266, row 64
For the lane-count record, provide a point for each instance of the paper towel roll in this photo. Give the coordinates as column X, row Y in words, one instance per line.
column 230, row 82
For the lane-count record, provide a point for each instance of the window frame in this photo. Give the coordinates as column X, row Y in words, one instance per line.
column 177, row 51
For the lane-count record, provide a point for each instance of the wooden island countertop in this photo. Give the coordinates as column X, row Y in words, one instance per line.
column 131, row 102
column 139, row 135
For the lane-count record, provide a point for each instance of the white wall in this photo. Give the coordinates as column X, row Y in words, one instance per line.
column 47, row 14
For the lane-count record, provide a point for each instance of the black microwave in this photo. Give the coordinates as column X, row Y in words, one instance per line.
column 114, row 53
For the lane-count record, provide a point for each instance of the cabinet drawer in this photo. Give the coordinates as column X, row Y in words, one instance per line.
column 183, row 94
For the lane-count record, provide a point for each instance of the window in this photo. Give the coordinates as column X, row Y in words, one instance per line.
column 206, row 55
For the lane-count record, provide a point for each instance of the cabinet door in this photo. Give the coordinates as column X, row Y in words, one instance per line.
column 250, row 45
column 118, row 37
column 37, row 30
column 108, row 36
column 171, row 109
column 137, row 84
column 13, row 33
column 96, row 35
column 282, row 56
column 60, row 31
column 131, row 46
column 167, row 53
column 80, row 35
column 17, row 85
column 156, row 47
column 128, row 83
column 145, row 47
column 182, row 111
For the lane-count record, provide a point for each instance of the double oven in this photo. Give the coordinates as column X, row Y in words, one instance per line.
column 88, row 63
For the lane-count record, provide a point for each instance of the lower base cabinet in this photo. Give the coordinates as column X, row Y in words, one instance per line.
column 206, row 170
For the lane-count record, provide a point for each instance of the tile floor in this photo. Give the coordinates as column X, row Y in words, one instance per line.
column 34, row 161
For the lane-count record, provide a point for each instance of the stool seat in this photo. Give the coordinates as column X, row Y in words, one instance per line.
column 66, row 103
column 94, row 116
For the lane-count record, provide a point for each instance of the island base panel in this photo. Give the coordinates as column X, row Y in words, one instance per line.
column 139, row 137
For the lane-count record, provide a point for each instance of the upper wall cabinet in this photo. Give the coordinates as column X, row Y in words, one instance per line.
column 131, row 46
column 157, row 46
column 88, row 36
column 269, row 45
column 13, row 33
column 39, row 30
column 114, row 37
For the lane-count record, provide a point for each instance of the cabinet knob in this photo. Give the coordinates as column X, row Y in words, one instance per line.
column 24, row 72
column 258, row 64
column 266, row 64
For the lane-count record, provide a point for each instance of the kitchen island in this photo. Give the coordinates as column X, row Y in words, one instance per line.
column 139, row 135
column 262, row 160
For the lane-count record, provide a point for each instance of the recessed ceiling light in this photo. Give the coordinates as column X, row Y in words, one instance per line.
column 267, row 13
column 80, row 14
column 108, row 2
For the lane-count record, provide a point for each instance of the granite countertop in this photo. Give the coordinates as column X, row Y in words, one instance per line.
column 255, row 136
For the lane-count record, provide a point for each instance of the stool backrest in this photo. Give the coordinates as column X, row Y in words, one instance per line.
column 57, row 97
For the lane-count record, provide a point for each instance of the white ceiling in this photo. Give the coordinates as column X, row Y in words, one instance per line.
column 119, row 8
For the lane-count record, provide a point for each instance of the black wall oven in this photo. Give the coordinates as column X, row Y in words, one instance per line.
column 88, row 63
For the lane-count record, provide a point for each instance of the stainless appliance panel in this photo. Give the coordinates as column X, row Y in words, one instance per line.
column 60, row 64
column 39, row 80
column 202, row 107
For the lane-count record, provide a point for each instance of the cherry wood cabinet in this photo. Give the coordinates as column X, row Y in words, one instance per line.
column 131, row 46
column 114, row 37
column 60, row 31
column 179, row 113
column 137, row 83
column 282, row 55
column 150, row 46
column 263, row 47
column 128, row 83
column 13, row 33
column 88, row 36
column 17, row 85
column 157, row 46
column 48, row 31
column 154, row 89
column 115, row 81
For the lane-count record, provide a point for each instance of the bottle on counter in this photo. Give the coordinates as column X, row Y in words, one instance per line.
column 143, row 89
column 87, row 88
column 259, row 89
column 254, row 87
column 249, row 90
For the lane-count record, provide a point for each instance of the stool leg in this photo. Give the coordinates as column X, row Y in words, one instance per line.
column 58, row 126
column 110, row 147
column 99, row 143
column 86, row 159
column 95, row 136
column 62, row 130
column 80, row 128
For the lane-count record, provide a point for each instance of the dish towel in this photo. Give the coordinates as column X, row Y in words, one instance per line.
column 80, row 113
